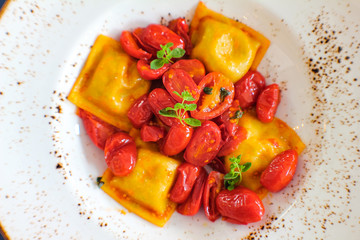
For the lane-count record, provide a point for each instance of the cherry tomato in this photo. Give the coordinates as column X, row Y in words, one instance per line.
column 233, row 142
column 181, row 28
column 137, row 33
column 185, row 180
column 218, row 165
column 213, row 186
column 193, row 203
column 204, row 145
column 120, row 153
column 216, row 96
column 280, row 171
column 160, row 99
column 152, row 133
column 228, row 121
column 128, row 43
column 140, row 112
column 176, row 139
column 267, row 103
column 248, row 88
column 97, row 129
column 178, row 80
column 193, row 67
column 147, row 73
column 240, row 206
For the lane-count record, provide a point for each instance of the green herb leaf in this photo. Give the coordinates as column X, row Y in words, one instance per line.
column 177, row 53
column 224, row 93
column 165, row 55
column 245, row 166
column 193, row 122
column 157, row 63
column 208, row 90
column 234, row 176
column 99, row 182
column 178, row 106
column 186, row 96
column 238, row 114
column 190, row 107
column 168, row 45
column 167, row 113
column 177, row 94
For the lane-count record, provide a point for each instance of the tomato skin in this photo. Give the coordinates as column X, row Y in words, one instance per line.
column 267, row 103
column 140, row 112
column 120, row 153
column 97, row 129
column 210, row 105
column 193, row 203
column 130, row 46
column 213, row 186
column 193, row 67
column 240, row 206
column 176, row 140
column 185, row 180
column 280, row 171
column 248, row 88
column 147, row 73
column 204, row 145
column 160, row 99
column 218, row 165
column 233, row 142
column 181, row 28
column 152, row 133
column 227, row 122
column 178, row 80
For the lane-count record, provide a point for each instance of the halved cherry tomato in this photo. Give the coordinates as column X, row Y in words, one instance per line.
column 130, row 46
column 120, row 153
column 97, row 129
column 204, row 145
column 228, row 121
column 213, row 186
column 140, row 112
column 214, row 102
column 280, row 171
column 248, row 88
column 193, row 67
column 152, row 133
column 233, row 142
column 178, row 80
column 267, row 103
column 181, row 28
column 240, row 206
column 160, row 99
column 193, row 203
column 176, row 139
column 137, row 33
column 218, row 165
column 185, row 180
column 147, row 73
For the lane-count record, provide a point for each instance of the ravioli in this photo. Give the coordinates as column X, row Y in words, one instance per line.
column 109, row 83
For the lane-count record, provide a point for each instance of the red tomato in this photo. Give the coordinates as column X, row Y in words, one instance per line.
column 97, row 129
column 176, row 139
column 280, row 171
column 120, row 153
column 212, row 188
column 220, row 99
column 233, row 142
column 240, row 206
column 137, row 33
column 160, row 99
column 185, row 180
column 147, row 73
column 193, row 67
column 178, row 80
column 218, row 165
column 267, row 103
column 193, row 203
column 128, row 43
column 228, row 121
column 248, row 88
column 140, row 112
column 181, row 28
column 204, row 145
column 152, row 133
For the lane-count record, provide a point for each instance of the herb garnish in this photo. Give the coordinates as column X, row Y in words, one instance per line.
column 208, row 90
column 224, row 93
column 179, row 110
column 234, row 176
column 165, row 55
column 238, row 114
column 99, row 182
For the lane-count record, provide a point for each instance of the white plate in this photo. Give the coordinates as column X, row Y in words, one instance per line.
column 314, row 57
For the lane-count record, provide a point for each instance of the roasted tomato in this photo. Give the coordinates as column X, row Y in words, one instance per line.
column 179, row 80
column 147, row 73
column 216, row 96
column 240, row 206
column 193, row 203
column 218, row 165
column 233, row 142
column 120, row 153
column 193, row 67
column 185, row 180
column 140, row 112
column 97, row 129
column 228, row 121
column 160, row 99
column 213, row 186
column 176, row 139
column 181, row 28
column 150, row 133
column 280, row 171
column 204, row 145
column 130, row 46
column 248, row 88
column 267, row 103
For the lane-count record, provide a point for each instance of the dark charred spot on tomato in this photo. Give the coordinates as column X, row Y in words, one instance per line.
column 99, row 182
column 238, row 114
column 224, row 93
column 208, row 90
